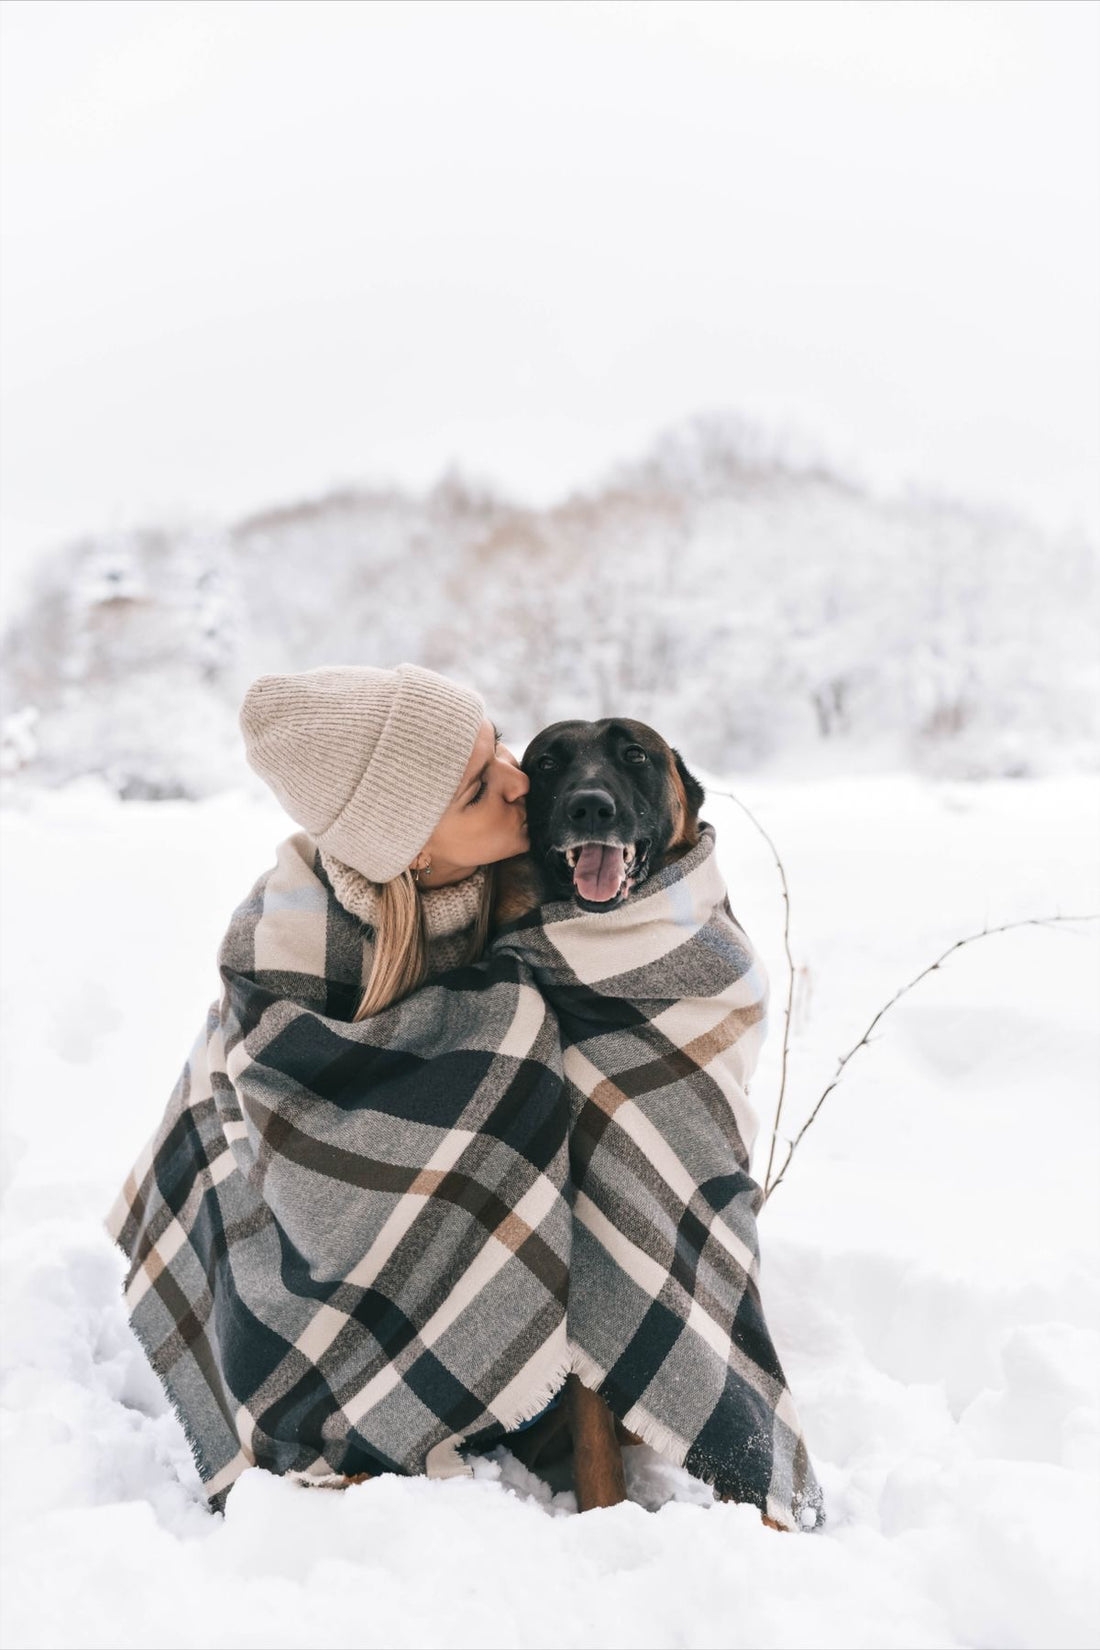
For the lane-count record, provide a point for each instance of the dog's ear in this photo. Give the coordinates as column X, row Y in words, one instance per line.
column 693, row 791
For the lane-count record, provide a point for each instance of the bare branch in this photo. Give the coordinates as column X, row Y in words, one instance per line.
column 790, row 970
column 1022, row 922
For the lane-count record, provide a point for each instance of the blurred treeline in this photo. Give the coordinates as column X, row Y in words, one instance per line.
column 762, row 612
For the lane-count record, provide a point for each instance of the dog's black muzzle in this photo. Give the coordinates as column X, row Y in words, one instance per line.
column 593, row 853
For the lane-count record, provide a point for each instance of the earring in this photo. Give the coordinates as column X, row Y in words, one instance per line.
column 426, row 870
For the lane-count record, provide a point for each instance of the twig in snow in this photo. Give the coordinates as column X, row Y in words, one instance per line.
column 1022, row 922
column 790, row 972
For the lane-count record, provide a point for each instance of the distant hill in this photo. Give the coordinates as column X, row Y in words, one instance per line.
column 763, row 613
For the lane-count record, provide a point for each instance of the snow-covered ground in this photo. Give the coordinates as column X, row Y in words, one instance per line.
column 929, row 1265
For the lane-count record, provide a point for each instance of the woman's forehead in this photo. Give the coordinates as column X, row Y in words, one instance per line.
column 483, row 749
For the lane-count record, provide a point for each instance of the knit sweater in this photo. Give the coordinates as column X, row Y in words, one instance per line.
column 449, row 912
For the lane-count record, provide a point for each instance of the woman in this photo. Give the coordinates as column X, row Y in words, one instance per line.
column 355, row 1236
column 435, row 799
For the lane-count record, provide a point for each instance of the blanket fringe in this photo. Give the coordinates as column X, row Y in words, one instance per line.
column 149, row 1346
column 540, row 1397
column 674, row 1448
column 444, row 1461
column 636, row 1420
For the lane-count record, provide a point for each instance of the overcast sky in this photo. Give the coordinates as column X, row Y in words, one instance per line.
column 253, row 249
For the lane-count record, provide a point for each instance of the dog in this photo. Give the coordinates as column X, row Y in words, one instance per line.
column 610, row 803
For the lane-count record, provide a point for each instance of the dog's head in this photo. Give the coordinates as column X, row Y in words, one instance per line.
column 609, row 803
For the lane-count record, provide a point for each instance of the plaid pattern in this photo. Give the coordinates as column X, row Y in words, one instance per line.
column 359, row 1247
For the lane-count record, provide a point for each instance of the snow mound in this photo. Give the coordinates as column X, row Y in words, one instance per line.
column 929, row 1268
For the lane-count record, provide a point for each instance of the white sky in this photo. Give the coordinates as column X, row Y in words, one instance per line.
column 253, row 249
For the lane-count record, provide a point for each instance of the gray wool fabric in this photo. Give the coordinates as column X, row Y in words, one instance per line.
column 366, row 760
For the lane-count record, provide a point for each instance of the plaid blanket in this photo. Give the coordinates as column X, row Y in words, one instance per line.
column 360, row 1247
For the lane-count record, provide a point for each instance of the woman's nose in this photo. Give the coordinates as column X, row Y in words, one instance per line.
column 516, row 783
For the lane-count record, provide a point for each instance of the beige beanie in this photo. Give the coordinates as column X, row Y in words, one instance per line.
column 365, row 760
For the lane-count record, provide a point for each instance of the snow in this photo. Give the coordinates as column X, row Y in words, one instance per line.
column 929, row 1263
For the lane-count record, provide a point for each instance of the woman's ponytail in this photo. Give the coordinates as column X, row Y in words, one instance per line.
column 400, row 963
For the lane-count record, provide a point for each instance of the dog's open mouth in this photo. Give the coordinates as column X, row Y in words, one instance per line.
column 602, row 871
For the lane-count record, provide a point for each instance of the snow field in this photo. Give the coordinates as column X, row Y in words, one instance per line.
column 929, row 1265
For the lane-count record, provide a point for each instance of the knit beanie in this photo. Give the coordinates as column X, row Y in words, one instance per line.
column 366, row 760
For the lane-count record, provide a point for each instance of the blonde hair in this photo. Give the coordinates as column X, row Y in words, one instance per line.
column 400, row 961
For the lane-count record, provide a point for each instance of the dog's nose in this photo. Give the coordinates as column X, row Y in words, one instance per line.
column 591, row 810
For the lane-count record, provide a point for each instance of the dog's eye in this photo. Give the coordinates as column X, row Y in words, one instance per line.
column 546, row 763
column 634, row 753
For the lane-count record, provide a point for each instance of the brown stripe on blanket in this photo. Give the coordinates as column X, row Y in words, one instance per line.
column 188, row 1334
column 282, row 1138
column 706, row 1047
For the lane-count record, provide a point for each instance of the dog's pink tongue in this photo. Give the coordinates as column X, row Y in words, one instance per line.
column 598, row 871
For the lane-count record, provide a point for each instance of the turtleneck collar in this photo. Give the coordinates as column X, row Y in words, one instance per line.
column 447, row 910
